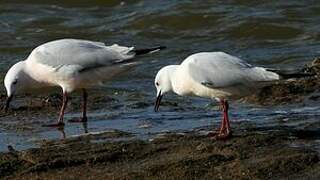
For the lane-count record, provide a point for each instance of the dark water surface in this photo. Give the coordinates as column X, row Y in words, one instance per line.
column 282, row 34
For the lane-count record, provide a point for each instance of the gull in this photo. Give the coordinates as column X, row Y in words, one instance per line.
column 71, row 64
column 215, row 75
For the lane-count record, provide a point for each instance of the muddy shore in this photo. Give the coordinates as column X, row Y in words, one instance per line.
column 276, row 152
column 250, row 154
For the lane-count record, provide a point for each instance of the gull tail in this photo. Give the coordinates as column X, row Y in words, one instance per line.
column 147, row 50
column 287, row 74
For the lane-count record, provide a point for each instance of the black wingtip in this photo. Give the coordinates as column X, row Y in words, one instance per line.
column 161, row 47
column 148, row 50
column 287, row 74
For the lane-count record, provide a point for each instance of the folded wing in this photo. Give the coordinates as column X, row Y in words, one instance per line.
column 221, row 70
column 82, row 53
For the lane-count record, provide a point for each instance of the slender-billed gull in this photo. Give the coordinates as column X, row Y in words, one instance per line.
column 70, row 64
column 215, row 75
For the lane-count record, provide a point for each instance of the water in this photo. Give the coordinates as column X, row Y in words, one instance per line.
column 275, row 34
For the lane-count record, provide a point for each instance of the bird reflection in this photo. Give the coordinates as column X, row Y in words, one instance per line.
column 85, row 127
column 63, row 133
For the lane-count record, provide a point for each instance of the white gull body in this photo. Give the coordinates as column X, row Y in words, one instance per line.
column 73, row 64
column 70, row 64
column 215, row 75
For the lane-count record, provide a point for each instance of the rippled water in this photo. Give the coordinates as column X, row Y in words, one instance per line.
column 275, row 34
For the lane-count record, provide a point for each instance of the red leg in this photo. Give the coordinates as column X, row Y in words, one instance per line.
column 63, row 108
column 222, row 124
column 84, row 108
column 224, row 131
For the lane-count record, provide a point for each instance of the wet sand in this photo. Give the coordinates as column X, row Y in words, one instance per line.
column 252, row 152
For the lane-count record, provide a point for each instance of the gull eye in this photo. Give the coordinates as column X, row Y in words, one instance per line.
column 157, row 84
column 15, row 82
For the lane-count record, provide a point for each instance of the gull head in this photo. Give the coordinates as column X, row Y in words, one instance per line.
column 163, row 83
column 14, row 81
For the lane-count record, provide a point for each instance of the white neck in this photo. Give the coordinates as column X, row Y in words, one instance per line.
column 27, row 81
column 180, row 82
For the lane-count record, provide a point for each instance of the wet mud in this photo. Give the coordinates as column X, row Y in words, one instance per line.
column 250, row 154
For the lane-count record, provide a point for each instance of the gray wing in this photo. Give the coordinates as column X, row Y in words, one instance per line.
column 85, row 54
column 221, row 70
